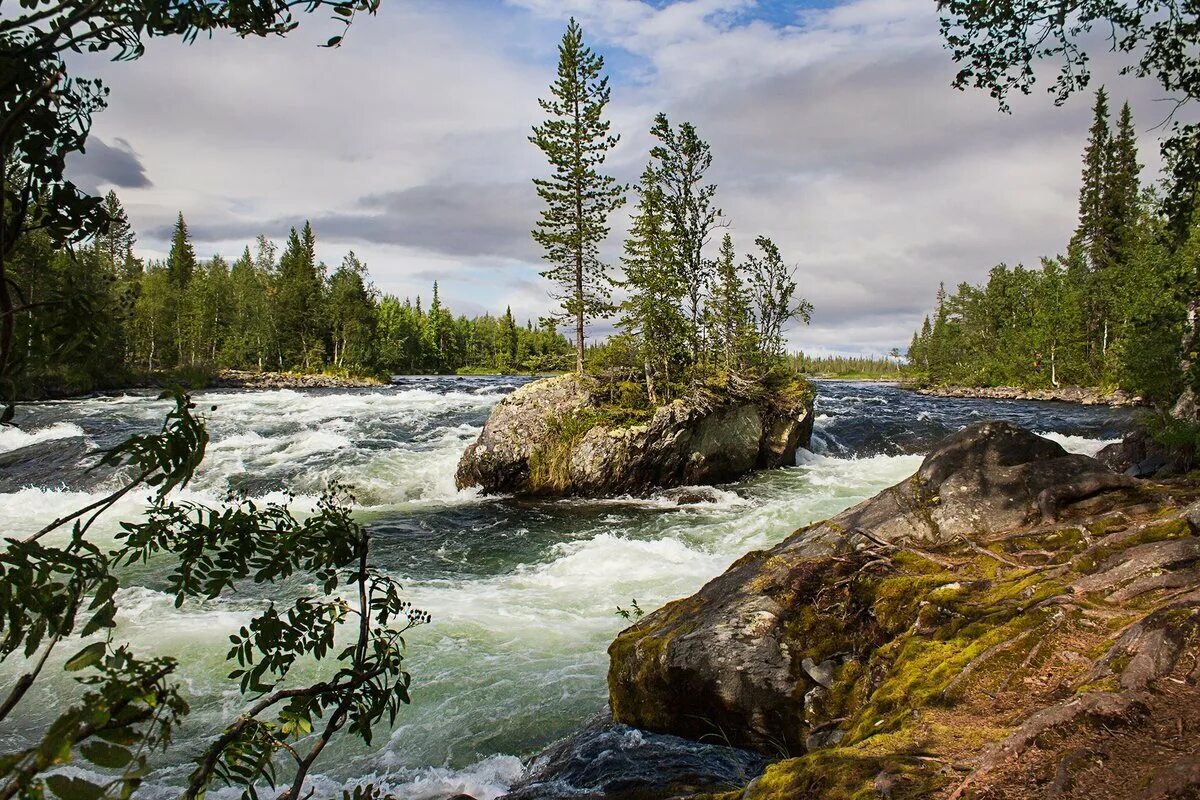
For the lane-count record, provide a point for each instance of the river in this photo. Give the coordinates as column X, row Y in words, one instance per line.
column 523, row 594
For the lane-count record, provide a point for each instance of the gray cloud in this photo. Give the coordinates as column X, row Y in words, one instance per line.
column 108, row 165
column 839, row 137
column 453, row 219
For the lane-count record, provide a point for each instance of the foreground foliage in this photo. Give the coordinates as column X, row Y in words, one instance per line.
column 60, row 592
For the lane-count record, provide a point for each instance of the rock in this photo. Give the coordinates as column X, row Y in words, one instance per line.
column 54, row 464
column 692, row 495
column 1139, row 456
column 1063, row 394
column 738, row 658
column 245, row 379
column 821, row 673
column 555, row 437
column 616, row 762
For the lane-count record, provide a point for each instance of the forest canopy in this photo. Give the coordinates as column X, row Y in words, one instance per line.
column 271, row 308
column 1111, row 312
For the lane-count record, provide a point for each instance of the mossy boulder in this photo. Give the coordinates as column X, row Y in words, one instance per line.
column 558, row 437
column 1013, row 621
column 745, row 654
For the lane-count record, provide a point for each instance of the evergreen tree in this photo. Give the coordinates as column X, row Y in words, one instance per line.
column 1122, row 183
column 578, row 197
column 181, row 261
column 509, row 339
column 681, row 160
column 351, row 313
column 437, row 335
column 1091, row 233
column 652, row 311
column 116, row 242
column 300, row 301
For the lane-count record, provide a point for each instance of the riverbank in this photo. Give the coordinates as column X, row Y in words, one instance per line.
column 1118, row 398
column 240, row 379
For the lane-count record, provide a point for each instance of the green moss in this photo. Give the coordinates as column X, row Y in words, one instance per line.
column 844, row 774
column 1172, row 529
column 638, row 690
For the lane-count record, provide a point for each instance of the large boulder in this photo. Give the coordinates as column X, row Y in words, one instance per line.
column 750, row 660
column 557, row 437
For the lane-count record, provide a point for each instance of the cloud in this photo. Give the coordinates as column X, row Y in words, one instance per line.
column 105, row 164
column 834, row 130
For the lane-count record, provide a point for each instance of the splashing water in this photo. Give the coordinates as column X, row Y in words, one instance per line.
column 523, row 594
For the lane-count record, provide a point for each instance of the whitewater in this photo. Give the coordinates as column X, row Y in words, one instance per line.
column 523, row 594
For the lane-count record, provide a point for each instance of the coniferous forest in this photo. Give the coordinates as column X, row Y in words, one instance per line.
column 273, row 308
column 1109, row 313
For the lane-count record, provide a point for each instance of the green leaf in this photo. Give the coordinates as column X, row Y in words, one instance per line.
column 106, row 755
column 74, row 788
column 87, row 657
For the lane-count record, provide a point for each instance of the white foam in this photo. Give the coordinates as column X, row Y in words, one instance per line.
column 14, row 438
column 1078, row 444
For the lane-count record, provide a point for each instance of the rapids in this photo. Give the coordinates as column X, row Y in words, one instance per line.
column 523, row 594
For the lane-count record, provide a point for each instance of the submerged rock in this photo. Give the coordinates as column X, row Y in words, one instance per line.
column 965, row 633
column 616, row 762
column 66, row 463
column 555, row 437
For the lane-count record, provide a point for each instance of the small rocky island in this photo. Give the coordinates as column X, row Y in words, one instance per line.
column 561, row 436
column 1013, row 621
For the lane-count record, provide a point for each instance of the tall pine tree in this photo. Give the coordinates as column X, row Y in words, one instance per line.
column 300, row 296
column 1091, row 234
column 181, row 262
column 576, row 140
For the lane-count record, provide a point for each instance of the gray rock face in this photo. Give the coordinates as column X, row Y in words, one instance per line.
column 728, row 658
column 551, row 437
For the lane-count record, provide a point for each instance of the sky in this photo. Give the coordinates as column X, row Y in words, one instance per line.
column 833, row 125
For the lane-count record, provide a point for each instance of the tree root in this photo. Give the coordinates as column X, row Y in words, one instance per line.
column 1095, row 705
column 1051, row 500
column 1177, row 780
column 983, row 658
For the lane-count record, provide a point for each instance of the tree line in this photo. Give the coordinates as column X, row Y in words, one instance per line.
column 1111, row 312
column 271, row 308
column 686, row 314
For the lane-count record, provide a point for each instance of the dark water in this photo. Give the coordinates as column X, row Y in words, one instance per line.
column 523, row 594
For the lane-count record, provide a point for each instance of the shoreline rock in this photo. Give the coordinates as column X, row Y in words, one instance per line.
column 1006, row 608
column 555, row 437
column 241, row 379
column 1118, row 398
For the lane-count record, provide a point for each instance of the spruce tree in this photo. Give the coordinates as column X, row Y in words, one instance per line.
column 575, row 139
column 1122, row 184
column 681, row 160
column 652, row 311
column 510, row 339
column 181, row 261
column 115, row 243
column 300, row 296
column 1091, row 234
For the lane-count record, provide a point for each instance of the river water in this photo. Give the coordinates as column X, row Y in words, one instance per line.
column 523, row 594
